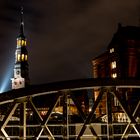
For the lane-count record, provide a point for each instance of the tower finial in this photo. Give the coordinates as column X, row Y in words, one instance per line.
column 21, row 32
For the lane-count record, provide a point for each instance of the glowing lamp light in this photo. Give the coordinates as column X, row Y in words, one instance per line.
column 90, row 109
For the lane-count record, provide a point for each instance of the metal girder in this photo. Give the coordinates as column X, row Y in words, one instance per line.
column 46, row 118
column 53, row 105
column 90, row 116
column 132, row 121
column 82, row 113
column 109, row 118
column 22, row 129
column 7, row 118
column 52, row 88
column 78, row 106
column 65, row 116
column 129, row 126
column 41, row 121
column 43, row 126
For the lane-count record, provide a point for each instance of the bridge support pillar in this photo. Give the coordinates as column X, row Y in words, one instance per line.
column 65, row 117
column 22, row 129
column 109, row 118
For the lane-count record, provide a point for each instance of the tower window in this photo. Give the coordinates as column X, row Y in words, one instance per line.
column 18, row 42
column 18, row 57
column 22, row 43
column 26, row 57
column 22, row 57
column 25, row 43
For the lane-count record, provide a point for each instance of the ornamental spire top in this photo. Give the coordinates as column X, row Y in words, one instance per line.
column 21, row 32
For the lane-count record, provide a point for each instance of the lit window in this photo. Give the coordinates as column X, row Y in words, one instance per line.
column 22, row 57
column 111, row 50
column 114, row 75
column 18, row 42
column 18, row 57
column 25, row 43
column 113, row 65
column 22, row 42
column 26, row 57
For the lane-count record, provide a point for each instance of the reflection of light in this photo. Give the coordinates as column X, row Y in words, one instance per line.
column 90, row 109
column 6, row 80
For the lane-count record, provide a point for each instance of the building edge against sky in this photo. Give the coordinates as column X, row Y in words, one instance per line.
column 21, row 72
column 122, row 57
column 121, row 60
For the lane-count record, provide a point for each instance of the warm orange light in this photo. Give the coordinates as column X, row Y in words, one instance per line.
column 22, row 57
column 113, row 65
column 114, row 75
column 18, row 57
column 18, row 42
column 22, row 43
column 111, row 50
column 26, row 57
column 25, row 43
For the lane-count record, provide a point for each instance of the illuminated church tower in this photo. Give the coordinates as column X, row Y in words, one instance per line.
column 21, row 76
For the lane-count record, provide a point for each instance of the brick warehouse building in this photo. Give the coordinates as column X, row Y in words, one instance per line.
column 120, row 61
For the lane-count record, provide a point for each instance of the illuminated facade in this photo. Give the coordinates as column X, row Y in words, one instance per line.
column 122, row 58
column 21, row 76
column 120, row 61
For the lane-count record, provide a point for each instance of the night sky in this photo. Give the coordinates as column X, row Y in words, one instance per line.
column 63, row 35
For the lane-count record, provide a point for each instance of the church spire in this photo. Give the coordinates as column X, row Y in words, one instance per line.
column 21, row 32
column 21, row 72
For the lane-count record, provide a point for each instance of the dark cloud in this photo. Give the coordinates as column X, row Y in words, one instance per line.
column 79, row 30
column 7, row 19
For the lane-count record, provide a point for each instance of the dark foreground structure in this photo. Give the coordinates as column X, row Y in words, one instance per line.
column 53, row 111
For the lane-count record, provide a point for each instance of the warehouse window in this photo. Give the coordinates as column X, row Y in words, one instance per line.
column 113, row 65
column 114, row 75
column 111, row 50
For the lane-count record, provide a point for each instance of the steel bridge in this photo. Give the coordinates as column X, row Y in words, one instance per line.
column 30, row 113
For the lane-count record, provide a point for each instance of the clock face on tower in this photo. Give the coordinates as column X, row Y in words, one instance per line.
column 17, row 72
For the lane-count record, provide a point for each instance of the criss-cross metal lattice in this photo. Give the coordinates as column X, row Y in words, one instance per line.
column 28, row 113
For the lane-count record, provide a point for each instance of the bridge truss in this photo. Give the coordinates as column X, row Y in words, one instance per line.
column 45, row 111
